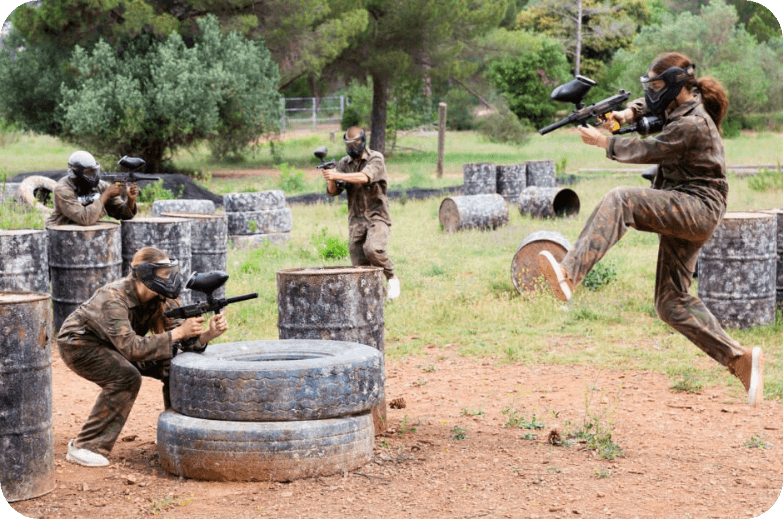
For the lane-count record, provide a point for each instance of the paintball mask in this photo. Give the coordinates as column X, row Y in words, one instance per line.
column 354, row 147
column 661, row 90
column 86, row 168
column 162, row 277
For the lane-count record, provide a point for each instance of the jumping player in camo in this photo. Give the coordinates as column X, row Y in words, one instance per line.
column 82, row 198
column 684, row 207
column 362, row 174
column 105, row 340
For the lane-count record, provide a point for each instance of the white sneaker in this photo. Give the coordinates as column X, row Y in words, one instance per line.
column 393, row 291
column 84, row 457
column 555, row 275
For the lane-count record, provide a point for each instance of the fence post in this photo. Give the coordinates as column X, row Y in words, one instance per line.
column 315, row 116
column 282, row 103
column 342, row 108
column 441, row 136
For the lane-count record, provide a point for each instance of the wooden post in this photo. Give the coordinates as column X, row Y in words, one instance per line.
column 441, row 136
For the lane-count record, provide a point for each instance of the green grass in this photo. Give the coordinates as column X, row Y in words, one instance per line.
column 457, row 289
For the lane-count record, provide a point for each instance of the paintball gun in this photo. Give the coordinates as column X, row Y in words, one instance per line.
column 321, row 153
column 206, row 283
column 573, row 92
column 129, row 167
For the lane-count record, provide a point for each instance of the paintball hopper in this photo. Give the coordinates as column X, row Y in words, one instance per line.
column 321, row 152
column 206, row 282
column 132, row 163
column 573, row 91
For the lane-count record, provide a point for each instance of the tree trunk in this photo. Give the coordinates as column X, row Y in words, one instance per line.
column 578, row 49
column 380, row 93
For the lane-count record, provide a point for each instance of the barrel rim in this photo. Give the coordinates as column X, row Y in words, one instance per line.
column 33, row 296
column 194, row 216
column 21, row 231
column 154, row 219
column 74, row 227
column 347, row 269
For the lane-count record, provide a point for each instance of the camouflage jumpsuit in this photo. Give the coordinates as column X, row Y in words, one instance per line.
column 684, row 207
column 103, row 341
column 369, row 221
column 68, row 209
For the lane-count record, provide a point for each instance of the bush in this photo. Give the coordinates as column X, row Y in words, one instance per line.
column 350, row 118
column 766, row 180
column 504, row 128
column 154, row 191
column 731, row 127
column 459, row 109
column 330, row 247
column 291, row 179
column 771, row 122
column 601, row 274
column 18, row 216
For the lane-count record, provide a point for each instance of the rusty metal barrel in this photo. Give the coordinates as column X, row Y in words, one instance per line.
column 186, row 206
column 26, row 435
column 171, row 235
column 541, row 173
column 511, row 180
column 548, row 202
column 778, row 213
column 208, row 246
column 24, row 260
column 737, row 270
column 480, row 178
column 458, row 213
column 524, row 264
column 81, row 260
column 336, row 304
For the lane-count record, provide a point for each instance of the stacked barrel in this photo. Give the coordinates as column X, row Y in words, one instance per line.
column 254, row 218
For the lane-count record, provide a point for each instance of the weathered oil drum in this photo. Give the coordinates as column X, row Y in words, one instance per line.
column 335, row 304
column 524, row 264
column 269, row 221
column 160, row 207
column 548, row 202
column 171, row 235
column 480, row 178
column 737, row 270
column 208, row 246
column 26, row 436
column 24, row 260
column 81, row 260
column 511, row 180
column 541, row 173
column 458, row 213
column 778, row 213
column 257, row 201
column 9, row 190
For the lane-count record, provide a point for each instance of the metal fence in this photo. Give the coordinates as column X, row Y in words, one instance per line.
column 311, row 111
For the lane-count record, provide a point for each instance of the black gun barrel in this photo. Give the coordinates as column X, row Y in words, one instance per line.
column 244, row 297
column 555, row 126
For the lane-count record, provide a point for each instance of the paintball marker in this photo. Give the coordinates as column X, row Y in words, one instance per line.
column 321, row 153
column 206, row 283
column 573, row 92
column 129, row 166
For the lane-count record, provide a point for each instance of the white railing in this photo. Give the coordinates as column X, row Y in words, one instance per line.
column 312, row 110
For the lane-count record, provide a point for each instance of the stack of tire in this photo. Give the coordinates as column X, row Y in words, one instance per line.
column 254, row 218
column 271, row 410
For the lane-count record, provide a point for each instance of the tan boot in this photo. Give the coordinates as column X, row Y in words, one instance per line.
column 749, row 368
column 555, row 275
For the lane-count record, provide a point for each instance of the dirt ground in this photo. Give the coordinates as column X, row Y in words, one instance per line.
column 450, row 454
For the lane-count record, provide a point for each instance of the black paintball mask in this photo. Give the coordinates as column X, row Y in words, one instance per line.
column 162, row 277
column 661, row 90
column 355, row 147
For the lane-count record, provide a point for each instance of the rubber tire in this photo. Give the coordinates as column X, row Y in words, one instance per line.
column 285, row 380
column 265, row 222
column 259, row 201
column 26, row 192
column 217, row 450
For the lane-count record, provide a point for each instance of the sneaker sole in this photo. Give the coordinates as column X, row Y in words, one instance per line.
column 756, row 390
column 550, row 269
column 85, row 464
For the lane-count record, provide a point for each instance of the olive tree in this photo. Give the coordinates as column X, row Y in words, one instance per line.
column 153, row 97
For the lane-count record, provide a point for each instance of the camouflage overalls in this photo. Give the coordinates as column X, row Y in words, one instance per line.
column 369, row 221
column 69, row 210
column 103, row 341
column 685, row 206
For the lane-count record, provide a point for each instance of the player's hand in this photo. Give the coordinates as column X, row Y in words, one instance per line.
column 191, row 327
column 593, row 137
column 111, row 191
column 217, row 326
column 133, row 191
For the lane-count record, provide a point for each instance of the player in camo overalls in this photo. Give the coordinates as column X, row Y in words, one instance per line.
column 362, row 174
column 82, row 198
column 105, row 341
column 684, row 207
